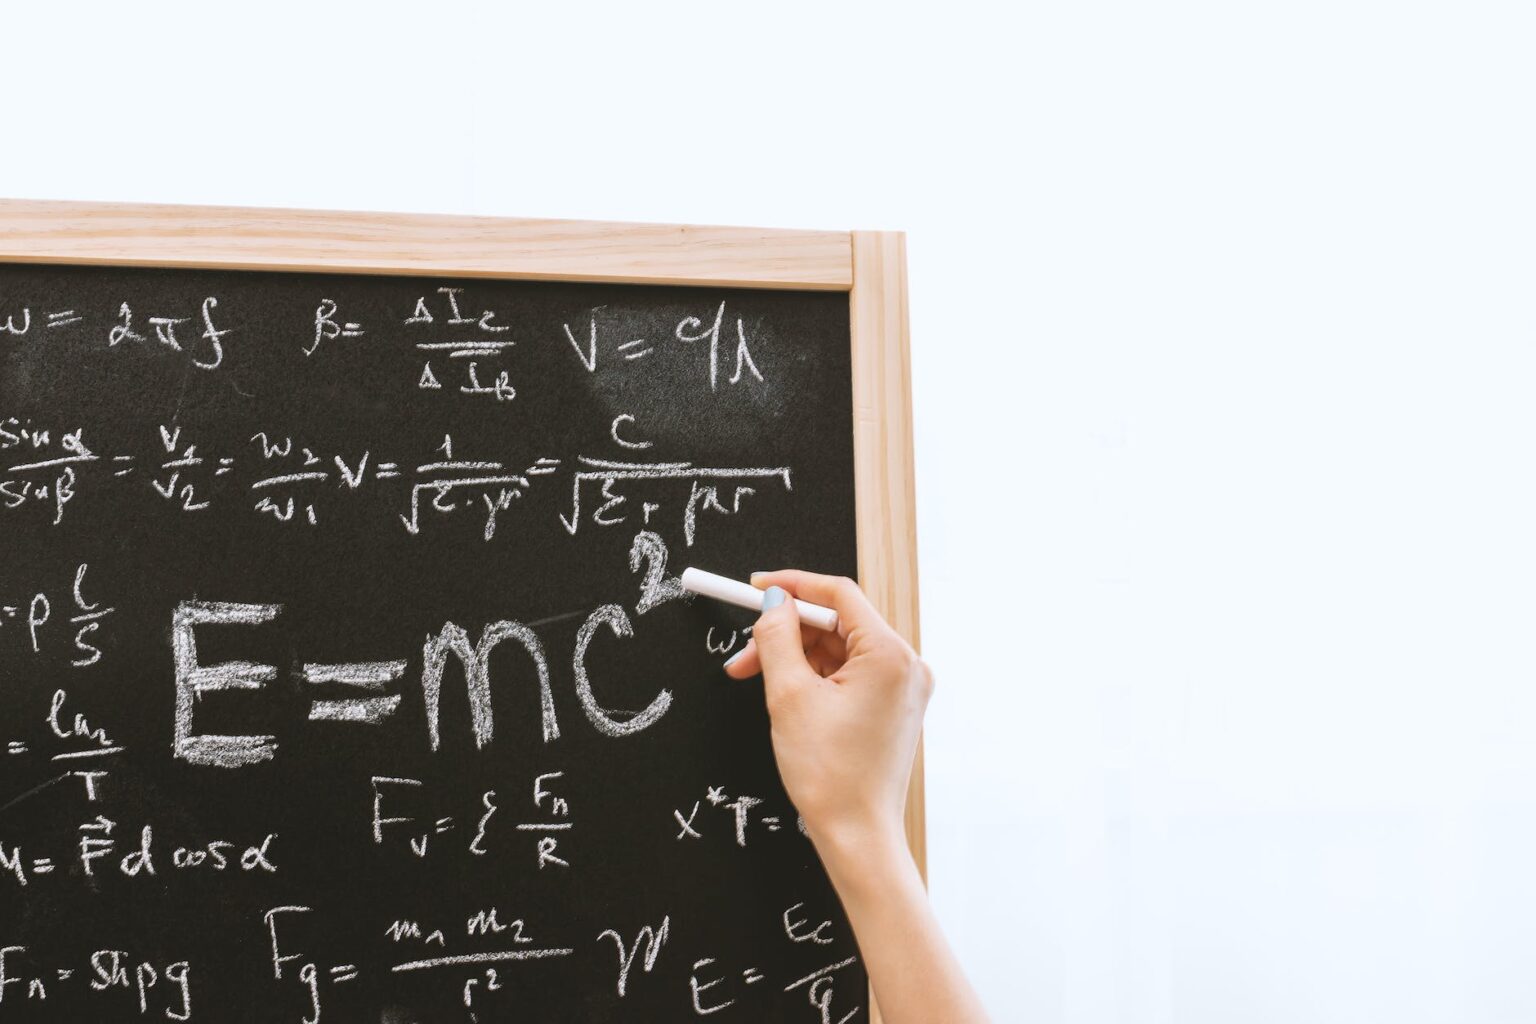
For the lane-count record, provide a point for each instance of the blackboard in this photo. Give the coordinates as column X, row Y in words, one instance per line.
column 343, row 673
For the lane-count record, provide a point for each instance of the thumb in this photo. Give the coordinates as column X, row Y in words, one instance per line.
column 777, row 635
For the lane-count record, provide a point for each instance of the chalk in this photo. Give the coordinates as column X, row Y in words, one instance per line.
column 745, row 595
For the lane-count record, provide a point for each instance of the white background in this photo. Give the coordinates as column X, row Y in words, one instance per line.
column 1223, row 341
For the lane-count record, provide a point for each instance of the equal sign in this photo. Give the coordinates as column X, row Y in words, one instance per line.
column 369, row 676
column 543, row 467
column 343, row 972
column 42, row 866
column 15, row 747
column 64, row 318
column 225, row 466
column 387, row 470
column 632, row 344
column 126, row 469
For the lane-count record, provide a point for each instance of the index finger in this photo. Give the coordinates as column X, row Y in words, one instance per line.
column 836, row 592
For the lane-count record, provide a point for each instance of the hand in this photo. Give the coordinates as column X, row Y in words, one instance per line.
column 846, row 711
column 846, row 708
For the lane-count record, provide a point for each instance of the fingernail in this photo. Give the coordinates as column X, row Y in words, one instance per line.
column 773, row 598
column 733, row 659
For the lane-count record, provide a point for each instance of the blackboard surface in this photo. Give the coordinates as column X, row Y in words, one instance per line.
column 343, row 673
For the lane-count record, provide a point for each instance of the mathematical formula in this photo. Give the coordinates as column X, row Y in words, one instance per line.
column 345, row 674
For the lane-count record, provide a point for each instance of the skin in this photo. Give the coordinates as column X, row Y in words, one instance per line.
column 846, row 711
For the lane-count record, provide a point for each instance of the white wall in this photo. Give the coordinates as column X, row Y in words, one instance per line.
column 1233, row 607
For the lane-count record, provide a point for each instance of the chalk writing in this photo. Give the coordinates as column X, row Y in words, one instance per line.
column 344, row 667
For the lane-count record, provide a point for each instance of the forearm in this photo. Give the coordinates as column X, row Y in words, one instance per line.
column 915, row 975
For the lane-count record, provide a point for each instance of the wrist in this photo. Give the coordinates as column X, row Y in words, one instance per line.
column 855, row 853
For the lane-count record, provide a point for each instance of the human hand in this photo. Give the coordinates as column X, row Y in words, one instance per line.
column 846, row 708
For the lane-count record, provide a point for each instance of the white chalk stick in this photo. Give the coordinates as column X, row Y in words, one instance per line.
column 745, row 595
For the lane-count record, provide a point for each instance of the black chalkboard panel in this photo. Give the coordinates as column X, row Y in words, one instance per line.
column 343, row 671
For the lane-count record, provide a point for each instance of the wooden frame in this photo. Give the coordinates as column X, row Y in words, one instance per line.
column 870, row 266
column 235, row 238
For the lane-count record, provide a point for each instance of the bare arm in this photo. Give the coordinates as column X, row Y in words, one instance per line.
column 846, row 711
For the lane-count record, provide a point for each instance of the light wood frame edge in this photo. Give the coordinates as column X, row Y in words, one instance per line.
column 869, row 265
column 325, row 241
column 884, row 478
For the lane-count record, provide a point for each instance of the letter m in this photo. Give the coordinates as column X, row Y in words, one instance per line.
column 476, row 662
column 402, row 930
